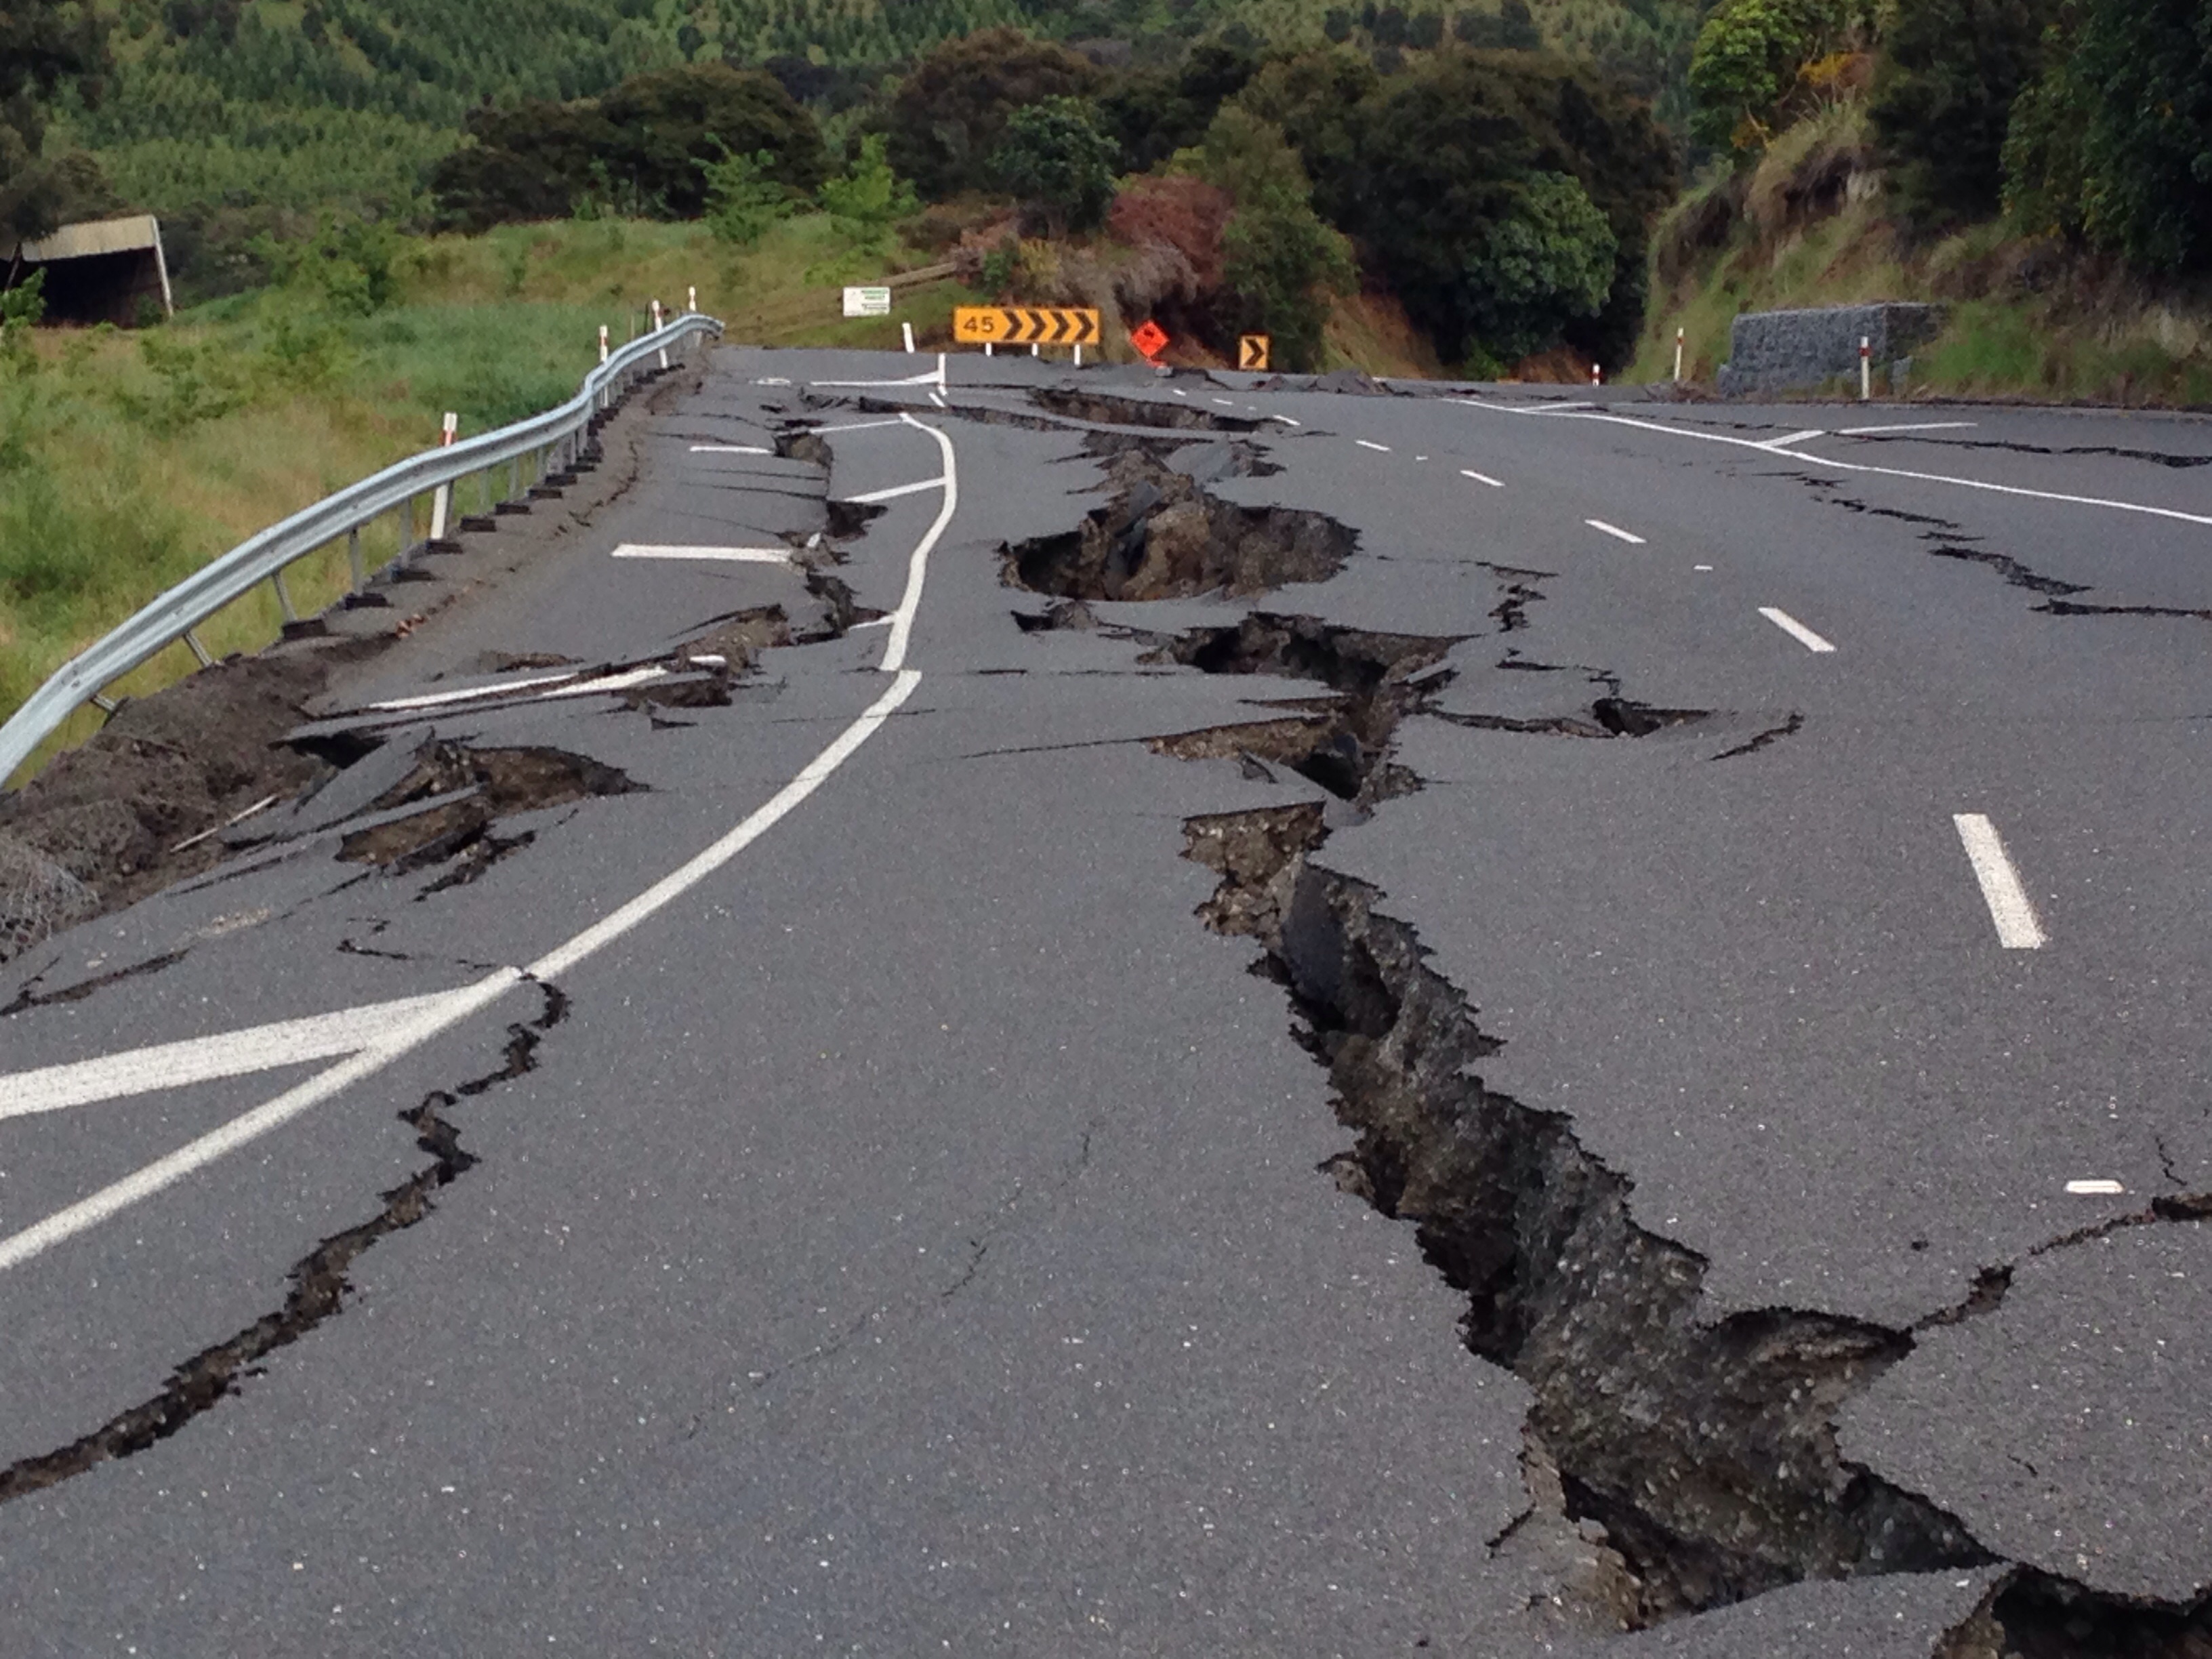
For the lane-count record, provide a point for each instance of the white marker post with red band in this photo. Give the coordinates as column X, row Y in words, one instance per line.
column 442, row 502
column 656, row 329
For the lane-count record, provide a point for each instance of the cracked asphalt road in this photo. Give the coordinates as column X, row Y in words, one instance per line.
column 831, row 1192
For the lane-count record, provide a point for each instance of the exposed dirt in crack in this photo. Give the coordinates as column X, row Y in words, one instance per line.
column 318, row 1285
column 128, row 812
column 1107, row 410
column 472, row 788
column 1163, row 536
column 1704, row 1450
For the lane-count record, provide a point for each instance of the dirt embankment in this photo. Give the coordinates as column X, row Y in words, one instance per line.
column 138, row 806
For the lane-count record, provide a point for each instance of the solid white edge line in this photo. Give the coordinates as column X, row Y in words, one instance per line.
column 449, row 1009
column 1908, row 426
column 1480, row 478
column 2017, row 928
column 858, row 426
column 1615, row 530
column 1795, row 630
column 1768, row 448
column 895, row 492
column 730, row 449
column 202, row 1059
column 1794, row 438
column 712, row 555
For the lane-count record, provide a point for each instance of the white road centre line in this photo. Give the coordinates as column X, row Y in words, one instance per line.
column 712, row 555
column 440, row 1013
column 1795, row 630
column 1908, row 426
column 2098, row 1189
column 730, row 449
column 1615, row 530
column 858, row 426
column 1366, row 444
column 1480, row 478
column 896, row 491
column 2016, row 918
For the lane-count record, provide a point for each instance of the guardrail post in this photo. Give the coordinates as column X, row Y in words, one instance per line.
column 192, row 639
column 406, row 525
column 353, row 559
column 283, row 596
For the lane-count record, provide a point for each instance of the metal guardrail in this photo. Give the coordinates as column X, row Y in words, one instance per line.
column 558, row 438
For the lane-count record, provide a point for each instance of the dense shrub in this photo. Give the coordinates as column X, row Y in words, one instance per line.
column 644, row 149
column 2115, row 143
column 1052, row 154
column 948, row 117
column 1745, row 70
column 1943, row 96
column 1444, row 186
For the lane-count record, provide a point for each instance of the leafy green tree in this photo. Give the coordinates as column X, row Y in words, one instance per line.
column 646, row 148
column 1280, row 261
column 1746, row 65
column 868, row 199
column 1549, row 258
column 1052, row 154
column 1943, row 97
column 44, row 47
column 1442, row 159
column 743, row 197
column 1154, row 113
column 946, row 119
column 2115, row 143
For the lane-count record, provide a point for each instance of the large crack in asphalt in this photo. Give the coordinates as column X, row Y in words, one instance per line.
column 1700, row 1456
column 1162, row 536
column 318, row 1285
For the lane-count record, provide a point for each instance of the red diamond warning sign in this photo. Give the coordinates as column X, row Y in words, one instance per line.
column 1149, row 338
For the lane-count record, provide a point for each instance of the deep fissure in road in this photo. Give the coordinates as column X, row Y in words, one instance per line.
column 1161, row 536
column 1703, row 1456
column 318, row 1285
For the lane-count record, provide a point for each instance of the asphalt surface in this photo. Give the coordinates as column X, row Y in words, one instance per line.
column 887, row 1220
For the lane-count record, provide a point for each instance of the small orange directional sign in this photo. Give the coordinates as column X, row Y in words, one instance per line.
column 1024, row 325
column 1149, row 338
column 1252, row 351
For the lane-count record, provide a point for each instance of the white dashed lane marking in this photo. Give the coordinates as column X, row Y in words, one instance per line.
column 1795, row 630
column 1366, row 444
column 1614, row 530
column 1480, row 478
column 2017, row 928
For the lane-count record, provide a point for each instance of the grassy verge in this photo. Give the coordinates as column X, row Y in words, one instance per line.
column 1806, row 227
column 129, row 460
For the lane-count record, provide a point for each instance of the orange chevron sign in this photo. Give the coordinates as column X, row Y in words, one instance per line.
column 1024, row 325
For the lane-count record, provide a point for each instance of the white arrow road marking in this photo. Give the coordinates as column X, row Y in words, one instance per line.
column 440, row 1013
column 2017, row 927
column 1614, row 530
column 1795, row 630
column 725, row 555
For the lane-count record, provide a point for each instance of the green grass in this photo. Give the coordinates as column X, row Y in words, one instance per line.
column 2002, row 338
column 129, row 460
